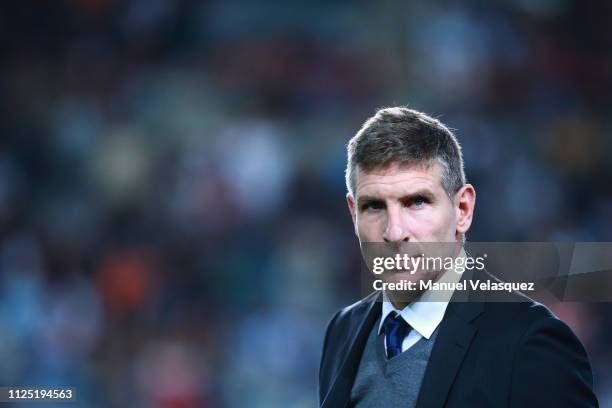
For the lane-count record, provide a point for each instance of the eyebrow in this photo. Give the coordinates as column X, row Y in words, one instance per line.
column 426, row 193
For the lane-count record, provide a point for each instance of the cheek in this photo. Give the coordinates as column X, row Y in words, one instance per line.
column 369, row 229
column 436, row 226
column 449, row 225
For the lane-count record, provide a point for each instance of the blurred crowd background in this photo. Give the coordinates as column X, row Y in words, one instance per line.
column 173, row 226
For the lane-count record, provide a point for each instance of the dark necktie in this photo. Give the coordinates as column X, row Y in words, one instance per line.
column 396, row 329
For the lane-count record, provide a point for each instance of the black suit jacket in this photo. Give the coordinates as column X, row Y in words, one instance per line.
column 511, row 354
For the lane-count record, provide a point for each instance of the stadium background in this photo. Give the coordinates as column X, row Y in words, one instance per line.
column 172, row 214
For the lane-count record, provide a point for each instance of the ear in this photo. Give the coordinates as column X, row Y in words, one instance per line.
column 465, row 200
column 350, row 200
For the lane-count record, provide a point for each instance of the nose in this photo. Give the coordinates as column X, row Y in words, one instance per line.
column 396, row 230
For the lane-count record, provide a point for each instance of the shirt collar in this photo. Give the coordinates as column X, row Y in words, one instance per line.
column 423, row 315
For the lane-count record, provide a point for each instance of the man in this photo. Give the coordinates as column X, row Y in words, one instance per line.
column 406, row 185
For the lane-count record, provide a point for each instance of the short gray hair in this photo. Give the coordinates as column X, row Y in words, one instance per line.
column 405, row 136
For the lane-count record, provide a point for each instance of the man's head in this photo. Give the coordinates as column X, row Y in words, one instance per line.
column 406, row 181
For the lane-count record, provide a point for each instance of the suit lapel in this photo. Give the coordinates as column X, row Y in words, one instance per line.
column 339, row 394
column 453, row 341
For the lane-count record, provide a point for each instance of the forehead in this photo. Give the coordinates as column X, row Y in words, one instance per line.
column 399, row 179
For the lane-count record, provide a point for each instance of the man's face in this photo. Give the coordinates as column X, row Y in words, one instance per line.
column 407, row 208
column 406, row 204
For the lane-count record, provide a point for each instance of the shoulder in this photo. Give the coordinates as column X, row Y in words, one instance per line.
column 339, row 334
column 518, row 314
column 350, row 317
column 539, row 344
column 512, row 309
column 511, row 317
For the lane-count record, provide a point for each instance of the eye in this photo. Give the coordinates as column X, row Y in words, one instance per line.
column 418, row 201
column 373, row 206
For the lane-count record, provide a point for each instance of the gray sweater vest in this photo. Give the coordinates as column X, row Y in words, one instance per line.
column 390, row 383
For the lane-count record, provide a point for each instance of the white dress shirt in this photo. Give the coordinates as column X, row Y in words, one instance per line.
column 423, row 315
